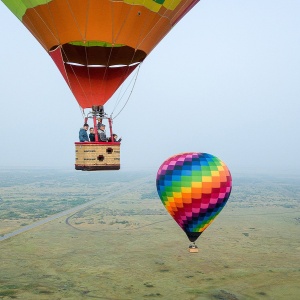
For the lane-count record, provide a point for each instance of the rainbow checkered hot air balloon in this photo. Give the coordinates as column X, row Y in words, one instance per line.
column 194, row 188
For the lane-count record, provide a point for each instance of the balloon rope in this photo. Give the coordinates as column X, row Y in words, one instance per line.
column 82, row 111
column 65, row 54
column 86, row 56
column 77, row 78
column 116, row 35
column 58, row 41
column 136, row 48
column 120, row 97
column 146, row 24
column 85, row 48
column 102, row 85
column 130, row 91
column 87, row 18
column 73, row 15
column 121, row 93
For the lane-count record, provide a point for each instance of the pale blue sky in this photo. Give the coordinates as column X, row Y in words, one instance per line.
column 226, row 81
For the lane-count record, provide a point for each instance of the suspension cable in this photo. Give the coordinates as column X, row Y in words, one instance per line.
column 130, row 92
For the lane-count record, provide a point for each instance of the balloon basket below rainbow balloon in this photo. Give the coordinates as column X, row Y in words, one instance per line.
column 193, row 248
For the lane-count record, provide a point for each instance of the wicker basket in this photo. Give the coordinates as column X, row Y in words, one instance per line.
column 93, row 156
column 193, row 250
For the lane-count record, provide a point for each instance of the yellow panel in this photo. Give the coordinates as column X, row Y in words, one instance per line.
column 206, row 179
column 186, row 190
column 197, row 184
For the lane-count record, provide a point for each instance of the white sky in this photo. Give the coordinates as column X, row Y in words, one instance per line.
column 226, row 81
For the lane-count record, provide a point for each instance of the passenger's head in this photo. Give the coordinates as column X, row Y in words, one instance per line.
column 92, row 129
column 102, row 126
column 86, row 126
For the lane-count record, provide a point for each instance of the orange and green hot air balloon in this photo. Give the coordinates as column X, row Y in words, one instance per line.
column 96, row 44
column 194, row 188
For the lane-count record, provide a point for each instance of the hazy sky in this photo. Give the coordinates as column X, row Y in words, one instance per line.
column 226, row 81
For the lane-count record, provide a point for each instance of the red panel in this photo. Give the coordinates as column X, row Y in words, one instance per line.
column 91, row 85
column 95, row 85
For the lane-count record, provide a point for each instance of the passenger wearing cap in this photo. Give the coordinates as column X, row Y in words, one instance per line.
column 101, row 133
column 83, row 136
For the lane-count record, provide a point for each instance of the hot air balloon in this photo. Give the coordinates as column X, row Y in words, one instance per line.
column 96, row 45
column 194, row 188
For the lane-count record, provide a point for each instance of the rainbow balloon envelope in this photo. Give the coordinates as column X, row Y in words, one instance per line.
column 194, row 188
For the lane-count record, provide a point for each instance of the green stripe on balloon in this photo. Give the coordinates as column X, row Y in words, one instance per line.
column 18, row 7
column 95, row 44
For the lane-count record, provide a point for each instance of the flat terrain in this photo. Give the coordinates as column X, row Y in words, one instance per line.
column 123, row 244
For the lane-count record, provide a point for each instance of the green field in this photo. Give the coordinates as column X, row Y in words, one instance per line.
column 125, row 246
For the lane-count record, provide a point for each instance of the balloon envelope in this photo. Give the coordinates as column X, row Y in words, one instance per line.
column 194, row 188
column 96, row 44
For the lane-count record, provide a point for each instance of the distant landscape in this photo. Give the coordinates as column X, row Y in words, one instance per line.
column 106, row 235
